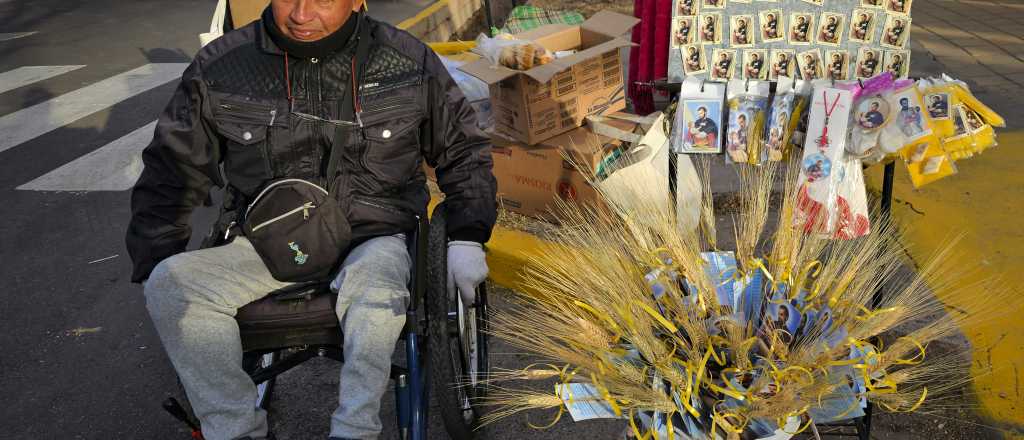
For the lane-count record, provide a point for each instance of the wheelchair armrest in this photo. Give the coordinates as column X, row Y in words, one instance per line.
column 301, row 291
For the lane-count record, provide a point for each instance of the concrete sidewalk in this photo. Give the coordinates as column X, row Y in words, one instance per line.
column 981, row 42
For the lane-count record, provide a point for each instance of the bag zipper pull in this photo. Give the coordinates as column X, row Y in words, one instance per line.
column 273, row 116
column 305, row 210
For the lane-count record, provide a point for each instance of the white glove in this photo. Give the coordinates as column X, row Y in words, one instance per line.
column 467, row 268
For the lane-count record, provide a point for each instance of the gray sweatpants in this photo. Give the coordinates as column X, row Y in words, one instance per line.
column 193, row 297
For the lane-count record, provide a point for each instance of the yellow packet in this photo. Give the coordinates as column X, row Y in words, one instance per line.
column 987, row 114
column 939, row 99
column 927, row 162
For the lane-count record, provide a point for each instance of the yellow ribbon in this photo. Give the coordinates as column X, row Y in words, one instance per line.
column 657, row 316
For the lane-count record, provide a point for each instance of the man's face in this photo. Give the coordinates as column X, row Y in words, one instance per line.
column 870, row 55
column 801, row 19
column 311, row 20
column 831, row 20
column 754, row 56
column 701, row 113
column 874, row 106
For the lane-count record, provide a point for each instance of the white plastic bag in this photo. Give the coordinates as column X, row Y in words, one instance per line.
column 216, row 24
column 641, row 176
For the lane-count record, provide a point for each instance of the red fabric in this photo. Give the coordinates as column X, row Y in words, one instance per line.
column 649, row 60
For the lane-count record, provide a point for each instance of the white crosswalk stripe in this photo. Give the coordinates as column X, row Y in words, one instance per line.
column 114, row 167
column 24, row 76
column 29, row 123
column 15, row 35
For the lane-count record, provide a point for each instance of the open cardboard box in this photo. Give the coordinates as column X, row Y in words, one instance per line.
column 531, row 178
column 545, row 101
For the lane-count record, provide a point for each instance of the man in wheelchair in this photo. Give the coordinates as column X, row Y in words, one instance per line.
column 314, row 91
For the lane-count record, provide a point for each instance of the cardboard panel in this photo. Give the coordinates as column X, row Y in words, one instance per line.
column 244, row 12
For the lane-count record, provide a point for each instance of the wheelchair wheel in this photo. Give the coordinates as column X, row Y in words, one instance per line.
column 255, row 361
column 458, row 342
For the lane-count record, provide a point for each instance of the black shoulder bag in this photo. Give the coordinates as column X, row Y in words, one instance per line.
column 297, row 227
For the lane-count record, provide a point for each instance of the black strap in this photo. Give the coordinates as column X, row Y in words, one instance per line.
column 350, row 107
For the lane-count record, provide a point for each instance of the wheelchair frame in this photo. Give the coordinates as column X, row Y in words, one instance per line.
column 433, row 318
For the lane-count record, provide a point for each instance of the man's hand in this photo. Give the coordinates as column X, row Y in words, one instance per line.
column 467, row 268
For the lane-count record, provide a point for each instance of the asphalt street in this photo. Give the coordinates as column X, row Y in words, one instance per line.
column 81, row 83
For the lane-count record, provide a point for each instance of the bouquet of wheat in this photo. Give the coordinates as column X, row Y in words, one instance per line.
column 644, row 319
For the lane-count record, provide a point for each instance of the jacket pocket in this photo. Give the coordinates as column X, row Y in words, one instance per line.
column 392, row 151
column 247, row 154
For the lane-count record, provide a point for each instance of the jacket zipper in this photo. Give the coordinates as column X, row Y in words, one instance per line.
column 363, row 201
column 305, row 215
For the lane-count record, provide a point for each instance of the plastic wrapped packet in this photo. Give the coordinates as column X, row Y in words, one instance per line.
column 927, row 162
column 871, row 113
column 748, row 108
column 698, row 124
column 801, row 103
column 823, row 166
column 779, row 131
column 507, row 50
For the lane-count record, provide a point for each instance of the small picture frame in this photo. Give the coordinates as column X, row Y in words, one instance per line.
column 801, row 28
column 873, row 113
column 974, row 121
column 810, row 64
column 772, row 26
column 938, row 105
column 959, row 122
column 874, row 4
column 783, row 63
column 862, row 26
column 710, row 29
column 701, row 126
column 755, row 64
column 830, row 29
column 693, row 57
column 898, row 7
column 741, row 31
column 685, row 7
column 897, row 62
column 682, row 30
column 896, row 31
column 712, row 4
column 837, row 64
column 722, row 64
column 868, row 61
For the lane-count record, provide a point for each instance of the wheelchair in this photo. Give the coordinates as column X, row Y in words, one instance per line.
column 445, row 341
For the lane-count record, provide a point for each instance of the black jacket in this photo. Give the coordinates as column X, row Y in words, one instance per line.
column 231, row 110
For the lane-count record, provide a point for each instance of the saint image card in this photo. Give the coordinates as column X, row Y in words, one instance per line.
column 830, row 30
column 771, row 25
column 754, row 64
column 874, row 4
column 701, row 123
column 686, row 7
column 868, row 60
column 783, row 64
column 801, row 25
column 711, row 28
column 810, row 65
column 783, row 316
column 898, row 7
column 938, row 105
column 897, row 62
column 959, row 126
column 694, row 61
column 838, row 63
column 872, row 113
column 682, row 30
column 723, row 64
column 896, row 31
column 973, row 120
column 740, row 31
column 698, row 125
column 911, row 116
column 712, row 4
column 862, row 26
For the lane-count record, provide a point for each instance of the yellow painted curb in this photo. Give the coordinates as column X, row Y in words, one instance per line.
column 982, row 202
column 422, row 15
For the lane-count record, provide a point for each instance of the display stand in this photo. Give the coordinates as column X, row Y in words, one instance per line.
column 862, row 425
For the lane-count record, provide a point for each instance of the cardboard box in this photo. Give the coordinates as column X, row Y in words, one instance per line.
column 531, row 178
column 537, row 104
column 244, row 12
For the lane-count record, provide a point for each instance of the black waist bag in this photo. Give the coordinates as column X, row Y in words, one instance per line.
column 298, row 229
